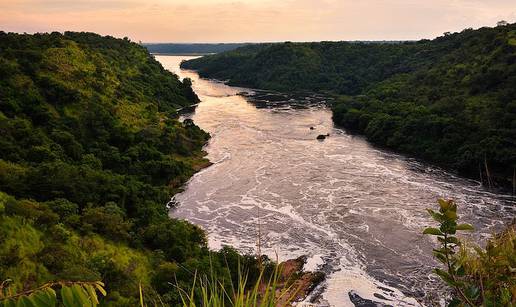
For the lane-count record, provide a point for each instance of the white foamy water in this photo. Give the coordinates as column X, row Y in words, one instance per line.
column 356, row 211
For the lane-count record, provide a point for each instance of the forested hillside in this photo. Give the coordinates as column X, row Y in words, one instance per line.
column 185, row 48
column 91, row 151
column 451, row 100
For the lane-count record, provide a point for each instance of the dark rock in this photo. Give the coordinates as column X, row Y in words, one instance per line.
column 312, row 128
column 359, row 301
column 378, row 295
column 321, row 137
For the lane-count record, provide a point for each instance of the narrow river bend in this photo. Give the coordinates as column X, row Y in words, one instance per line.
column 355, row 210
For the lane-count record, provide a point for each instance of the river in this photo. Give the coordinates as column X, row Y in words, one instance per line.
column 355, row 210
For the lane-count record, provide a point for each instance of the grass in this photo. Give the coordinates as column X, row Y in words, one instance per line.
column 207, row 291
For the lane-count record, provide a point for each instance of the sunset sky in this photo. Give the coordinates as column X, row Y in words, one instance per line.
column 254, row 20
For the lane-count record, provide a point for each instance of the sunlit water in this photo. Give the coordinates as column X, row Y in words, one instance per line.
column 355, row 210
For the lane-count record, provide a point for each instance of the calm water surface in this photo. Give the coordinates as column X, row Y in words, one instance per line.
column 355, row 210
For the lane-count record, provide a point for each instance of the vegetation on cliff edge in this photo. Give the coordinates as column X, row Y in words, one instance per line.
column 91, row 153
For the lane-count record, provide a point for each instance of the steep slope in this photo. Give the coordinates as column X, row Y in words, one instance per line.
column 451, row 100
column 339, row 67
column 91, row 153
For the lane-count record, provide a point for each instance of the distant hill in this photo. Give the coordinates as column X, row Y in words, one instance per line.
column 172, row 48
column 451, row 100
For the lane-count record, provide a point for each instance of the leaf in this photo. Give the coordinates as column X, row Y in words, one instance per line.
column 472, row 292
column 80, row 295
column 448, row 227
column 453, row 206
column 67, row 297
column 505, row 296
column 461, row 271
column 141, row 296
column 455, row 303
column 452, row 215
column 9, row 303
column 465, row 227
column 440, row 257
column 436, row 216
column 25, row 301
column 443, row 251
column 92, row 294
column 99, row 285
column 445, row 276
column 432, row 231
column 443, row 204
column 453, row 240
column 46, row 298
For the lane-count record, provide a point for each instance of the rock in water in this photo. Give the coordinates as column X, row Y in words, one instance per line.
column 359, row 301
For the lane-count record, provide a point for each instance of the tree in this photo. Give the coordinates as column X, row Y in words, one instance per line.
column 502, row 23
column 484, row 278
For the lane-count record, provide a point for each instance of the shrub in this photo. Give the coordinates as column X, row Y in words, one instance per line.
column 485, row 277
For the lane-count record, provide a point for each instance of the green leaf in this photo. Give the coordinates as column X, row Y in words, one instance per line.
column 67, row 297
column 461, row 271
column 452, row 215
column 465, row 227
column 92, row 294
column 100, row 286
column 81, row 297
column 436, row 216
column 505, row 296
column 25, row 301
column 443, row 251
column 46, row 298
column 472, row 292
column 453, row 240
column 443, row 204
column 445, row 276
column 455, row 303
column 432, row 231
column 448, row 227
column 141, row 295
column 9, row 303
column 440, row 257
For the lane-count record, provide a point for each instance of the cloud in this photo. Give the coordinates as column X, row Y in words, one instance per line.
column 254, row 20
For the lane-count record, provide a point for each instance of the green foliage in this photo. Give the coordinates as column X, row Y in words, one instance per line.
column 339, row 67
column 219, row 271
column 91, row 153
column 71, row 294
column 265, row 292
column 484, row 278
column 451, row 100
column 271, row 287
column 171, row 48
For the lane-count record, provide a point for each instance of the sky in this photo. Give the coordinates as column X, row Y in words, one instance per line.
column 255, row 20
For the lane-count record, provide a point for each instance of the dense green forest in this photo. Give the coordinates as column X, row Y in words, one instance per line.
column 178, row 48
column 91, row 151
column 451, row 100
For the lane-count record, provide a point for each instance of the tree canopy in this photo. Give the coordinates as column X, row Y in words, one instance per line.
column 91, row 152
column 451, row 100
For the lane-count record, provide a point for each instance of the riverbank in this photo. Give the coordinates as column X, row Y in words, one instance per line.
column 356, row 211
column 448, row 100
